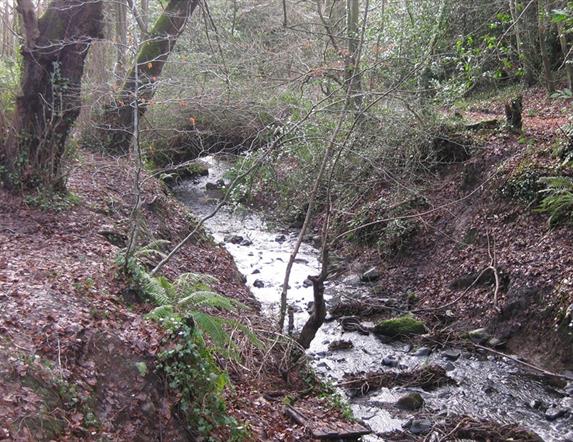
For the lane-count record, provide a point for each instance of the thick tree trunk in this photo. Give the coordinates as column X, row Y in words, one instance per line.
column 53, row 63
column 116, row 131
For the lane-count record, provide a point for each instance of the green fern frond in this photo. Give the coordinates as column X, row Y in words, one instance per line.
column 188, row 282
column 212, row 327
column 558, row 199
column 161, row 312
column 153, row 248
column 206, row 299
column 154, row 290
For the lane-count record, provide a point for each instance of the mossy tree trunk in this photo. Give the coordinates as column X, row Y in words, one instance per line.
column 116, row 130
column 53, row 58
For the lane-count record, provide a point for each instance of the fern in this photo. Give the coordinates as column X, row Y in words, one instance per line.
column 153, row 248
column 558, row 199
column 206, row 299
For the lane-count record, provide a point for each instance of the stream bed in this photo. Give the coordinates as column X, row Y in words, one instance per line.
column 488, row 386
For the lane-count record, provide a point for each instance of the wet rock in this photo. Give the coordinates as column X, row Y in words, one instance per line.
column 410, row 401
column 256, row 271
column 405, row 325
column 452, row 355
column 307, row 283
column 536, row 404
column 300, row 261
column 340, row 345
column 567, row 403
column 259, row 284
column 390, row 361
column 449, row 366
column 280, row 238
column 246, row 242
column 479, row 335
column 352, row 280
column 568, row 437
column 371, row 275
column 251, row 254
column 219, row 184
column 569, row 389
column 554, row 413
column 420, row 426
column 233, row 239
column 243, row 279
column 423, row 351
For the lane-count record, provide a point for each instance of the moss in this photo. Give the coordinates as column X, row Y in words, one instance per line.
column 401, row 326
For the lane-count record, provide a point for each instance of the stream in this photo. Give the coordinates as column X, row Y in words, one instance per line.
column 489, row 386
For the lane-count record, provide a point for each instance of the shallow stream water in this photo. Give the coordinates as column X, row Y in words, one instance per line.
column 489, row 386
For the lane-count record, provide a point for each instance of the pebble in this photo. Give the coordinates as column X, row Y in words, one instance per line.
column 390, row 361
column 449, row 366
column 452, row 355
column 423, row 351
column 246, row 242
column 420, row 426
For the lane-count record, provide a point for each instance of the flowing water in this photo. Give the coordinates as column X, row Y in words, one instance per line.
column 488, row 386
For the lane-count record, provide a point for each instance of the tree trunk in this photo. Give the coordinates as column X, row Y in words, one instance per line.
column 352, row 71
column 117, row 128
column 542, row 26
column 53, row 58
column 121, row 39
column 565, row 50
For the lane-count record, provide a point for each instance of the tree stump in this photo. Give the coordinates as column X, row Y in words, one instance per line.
column 513, row 110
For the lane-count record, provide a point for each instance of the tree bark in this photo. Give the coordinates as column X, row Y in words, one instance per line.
column 53, row 58
column 542, row 26
column 116, row 130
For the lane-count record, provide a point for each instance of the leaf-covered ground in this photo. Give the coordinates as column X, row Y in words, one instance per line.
column 72, row 334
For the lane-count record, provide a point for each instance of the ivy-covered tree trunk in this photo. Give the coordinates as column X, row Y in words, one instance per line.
column 53, row 58
column 116, row 128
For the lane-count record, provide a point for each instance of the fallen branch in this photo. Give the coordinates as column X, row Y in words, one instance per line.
column 526, row 364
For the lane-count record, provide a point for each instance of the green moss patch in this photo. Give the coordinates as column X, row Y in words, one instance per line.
column 405, row 325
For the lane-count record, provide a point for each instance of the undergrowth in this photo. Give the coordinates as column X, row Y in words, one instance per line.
column 195, row 337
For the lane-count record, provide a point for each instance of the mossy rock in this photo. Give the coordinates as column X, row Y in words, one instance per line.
column 405, row 325
column 192, row 170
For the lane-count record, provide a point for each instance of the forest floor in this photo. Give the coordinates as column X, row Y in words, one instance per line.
column 73, row 334
column 480, row 212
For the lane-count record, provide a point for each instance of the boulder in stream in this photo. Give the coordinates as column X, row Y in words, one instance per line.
column 280, row 238
column 410, row 401
column 371, row 275
column 452, row 355
column 341, row 344
column 554, row 413
column 405, row 325
column 233, row 239
column 420, row 426
column 259, row 284
column 423, row 351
